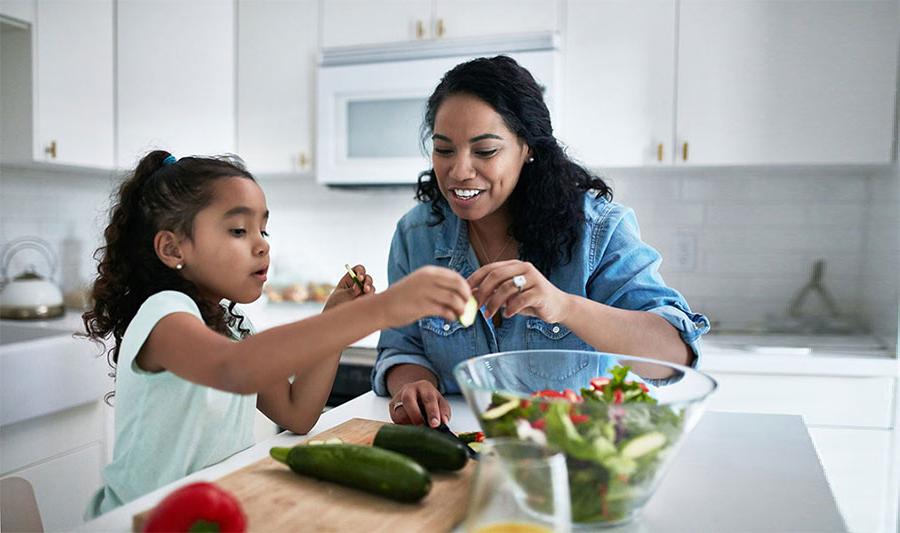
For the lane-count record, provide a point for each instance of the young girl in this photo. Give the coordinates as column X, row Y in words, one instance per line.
column 185, row 235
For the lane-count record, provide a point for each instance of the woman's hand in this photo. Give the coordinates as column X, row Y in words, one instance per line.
column 429, row 291
column 405, row 405
column 495, row 287
column 347, row 289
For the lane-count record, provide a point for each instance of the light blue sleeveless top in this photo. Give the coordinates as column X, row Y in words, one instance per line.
column 166, row 427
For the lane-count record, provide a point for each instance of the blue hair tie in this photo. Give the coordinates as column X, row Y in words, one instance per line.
column 169, row 160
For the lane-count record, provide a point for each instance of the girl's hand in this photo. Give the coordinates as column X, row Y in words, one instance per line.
column 494, row 287
column 404, row 406
column 347, row 289
column 429, row 291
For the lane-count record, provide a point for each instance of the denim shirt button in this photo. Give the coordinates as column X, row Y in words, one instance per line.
column 446, row 327
column 555, row 329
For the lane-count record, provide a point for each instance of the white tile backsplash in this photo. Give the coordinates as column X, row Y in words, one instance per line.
column 756, row 232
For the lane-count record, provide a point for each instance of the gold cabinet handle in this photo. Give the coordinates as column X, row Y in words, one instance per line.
column 303, row 160
column 659, row 152
column 420, row 29
column 439, row 28
column 684, row 151
column 51, row 150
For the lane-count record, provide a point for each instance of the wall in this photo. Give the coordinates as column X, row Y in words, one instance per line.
column 740, row 243
column 881, row 268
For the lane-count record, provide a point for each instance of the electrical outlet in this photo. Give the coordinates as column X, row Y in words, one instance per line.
column 685, row 256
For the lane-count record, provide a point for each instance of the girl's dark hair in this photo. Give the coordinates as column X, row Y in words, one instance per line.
column 547, row 203
column 161, row 194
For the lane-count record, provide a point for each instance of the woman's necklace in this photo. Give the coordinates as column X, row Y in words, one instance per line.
column 482, row 249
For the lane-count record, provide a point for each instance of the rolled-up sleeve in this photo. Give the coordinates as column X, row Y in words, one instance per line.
column 398, row 345
column 626, row 275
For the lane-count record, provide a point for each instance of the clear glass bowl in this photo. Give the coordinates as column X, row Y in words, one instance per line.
column 617, row 445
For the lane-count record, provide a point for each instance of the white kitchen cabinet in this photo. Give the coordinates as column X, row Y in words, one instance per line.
column 854, row 462
column 851, row 421
column 64, row 485
column 73, row 98
column 62, row 455
column 618, row 81
column 355, row 22
column 775, row 82
column 362, row 22
column 176, row 77
column 277, row 47
column 57, row 85
column 477, row 18
column 744, row 82
column 20, row 10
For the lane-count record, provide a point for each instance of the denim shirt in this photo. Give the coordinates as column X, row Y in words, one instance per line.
column 609, row 264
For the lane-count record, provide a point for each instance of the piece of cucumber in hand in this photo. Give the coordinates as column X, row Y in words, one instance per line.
column 469, row 313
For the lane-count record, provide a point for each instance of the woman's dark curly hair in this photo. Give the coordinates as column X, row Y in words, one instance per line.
column 547, row 204
column 161, row 194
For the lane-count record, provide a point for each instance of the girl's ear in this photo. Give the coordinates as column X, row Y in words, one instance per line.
column 165, row 243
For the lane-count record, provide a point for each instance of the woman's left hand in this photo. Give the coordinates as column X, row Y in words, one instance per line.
column 519, row 288
column 347, row 288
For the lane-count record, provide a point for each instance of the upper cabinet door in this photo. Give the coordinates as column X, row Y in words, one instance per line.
column 619, row 81
column 20, row 10
column 277, row 45
column 780, row 82
column 73, row 94
column 478, row 18
column 176, row 77
column 354, row 22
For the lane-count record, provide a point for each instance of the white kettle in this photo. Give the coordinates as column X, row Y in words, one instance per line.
column 28, row 296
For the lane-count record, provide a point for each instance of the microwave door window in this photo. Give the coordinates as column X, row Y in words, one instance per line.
column 384, row 128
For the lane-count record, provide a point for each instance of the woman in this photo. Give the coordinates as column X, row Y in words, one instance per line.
column 554, row 263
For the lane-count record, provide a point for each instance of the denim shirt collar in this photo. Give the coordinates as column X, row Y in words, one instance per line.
column 454, row 244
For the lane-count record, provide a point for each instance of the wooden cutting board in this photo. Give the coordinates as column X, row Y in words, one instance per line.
column 276, row 499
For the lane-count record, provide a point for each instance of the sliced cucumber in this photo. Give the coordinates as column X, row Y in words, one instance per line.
column 496, row 412
column 429, row 448
column 469, row 313
column 643, row 444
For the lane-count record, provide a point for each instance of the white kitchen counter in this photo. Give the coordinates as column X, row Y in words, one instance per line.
column 735, row 472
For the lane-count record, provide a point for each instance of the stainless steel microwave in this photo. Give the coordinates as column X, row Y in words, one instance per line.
column 371, row 101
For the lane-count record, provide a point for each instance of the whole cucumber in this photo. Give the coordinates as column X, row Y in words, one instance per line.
column 366, row 468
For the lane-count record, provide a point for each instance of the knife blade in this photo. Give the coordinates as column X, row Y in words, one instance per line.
column 443, row 428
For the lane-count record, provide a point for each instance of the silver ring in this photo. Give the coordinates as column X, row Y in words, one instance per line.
column 519, row 282
column 396, row 405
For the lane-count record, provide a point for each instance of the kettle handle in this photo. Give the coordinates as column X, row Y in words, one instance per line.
column 25, row 243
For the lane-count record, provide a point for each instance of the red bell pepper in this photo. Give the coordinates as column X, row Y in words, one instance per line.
column 197, row 507
column 578, row 419
column 540, row 424
column 618, row 396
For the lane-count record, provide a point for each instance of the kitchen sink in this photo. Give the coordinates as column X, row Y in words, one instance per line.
column 15, row 333
column 45, row 369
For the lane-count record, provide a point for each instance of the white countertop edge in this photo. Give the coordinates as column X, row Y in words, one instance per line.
column 839, row 366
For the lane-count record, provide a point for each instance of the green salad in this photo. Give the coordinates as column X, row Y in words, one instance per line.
column 614, row 435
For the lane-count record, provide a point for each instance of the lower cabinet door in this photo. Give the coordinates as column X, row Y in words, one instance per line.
column 63, row 485
column 859, row 466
